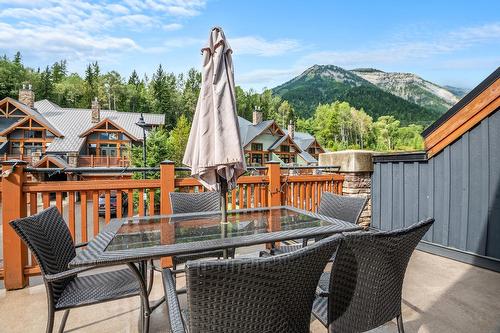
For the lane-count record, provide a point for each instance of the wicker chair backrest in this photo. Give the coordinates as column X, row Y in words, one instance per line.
column 367, row 277
column 273, row 294
column 194, row 202
column 49, row 239
column 341, row 207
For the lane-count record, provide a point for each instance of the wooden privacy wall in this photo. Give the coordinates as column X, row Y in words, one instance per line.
column 88, row 205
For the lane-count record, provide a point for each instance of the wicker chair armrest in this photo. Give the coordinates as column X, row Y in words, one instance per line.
column 81, row 244
column 174, row 309
column 65, row 274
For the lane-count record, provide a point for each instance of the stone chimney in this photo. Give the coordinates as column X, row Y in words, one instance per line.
column 27, row 96
column 96, row 111
column 257, row 116
column 291, row 129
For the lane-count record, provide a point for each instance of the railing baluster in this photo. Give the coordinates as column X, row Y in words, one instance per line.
column 130, row 204
column 313, row 196
column 308, row 196
column 83, row 215
column 107, row 206
column 302, row 195
column 233, row 198
column 240, row 196
column 59, row 201
column 46, row 200
column 71, row 213
column 151, row 202
column 141, row 202
column 119, row 203
column 95, row 212
column 256, row 191
column 249, row 196
column 33, row 203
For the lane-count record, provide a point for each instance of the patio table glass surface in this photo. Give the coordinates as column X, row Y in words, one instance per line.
column 140, row 238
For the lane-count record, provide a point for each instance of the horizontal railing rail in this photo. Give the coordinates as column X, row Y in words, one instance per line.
column 88, row 205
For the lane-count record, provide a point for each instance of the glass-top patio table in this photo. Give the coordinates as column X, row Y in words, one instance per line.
column 137, row 239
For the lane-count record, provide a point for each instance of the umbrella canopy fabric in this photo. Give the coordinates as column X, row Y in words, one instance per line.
column 214, row 147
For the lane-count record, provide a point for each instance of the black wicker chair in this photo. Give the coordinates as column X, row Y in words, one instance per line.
column 340, row 207
column 194, row 203
column 363, row 290
column 248, row 295
column 49, row 240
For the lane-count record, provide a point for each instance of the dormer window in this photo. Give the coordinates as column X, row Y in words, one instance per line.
column 257, row 147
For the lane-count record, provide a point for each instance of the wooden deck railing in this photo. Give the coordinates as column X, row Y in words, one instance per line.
column 88, row 205
column 102, row 161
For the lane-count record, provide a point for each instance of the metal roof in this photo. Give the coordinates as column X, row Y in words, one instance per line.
column 73, row 122
column 302, row 139
column 249, row 131
column 307, row 157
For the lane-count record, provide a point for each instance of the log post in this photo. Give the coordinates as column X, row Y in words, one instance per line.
column 15, row 253
column 167, row 185
column 274, row 174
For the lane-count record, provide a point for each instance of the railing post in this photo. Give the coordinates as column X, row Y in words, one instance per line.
column 274, row 174
column 167, row 185
column 15, row 253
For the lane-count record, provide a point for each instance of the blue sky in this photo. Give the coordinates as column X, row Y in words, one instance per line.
column 447, row 42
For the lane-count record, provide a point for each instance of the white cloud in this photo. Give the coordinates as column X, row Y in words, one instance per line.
column 172, row 26
column 267, row 76
column 262, row 47
column 86, row 29
column 410, row 49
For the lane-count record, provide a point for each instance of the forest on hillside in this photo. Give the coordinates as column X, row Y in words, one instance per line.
column 336, row 124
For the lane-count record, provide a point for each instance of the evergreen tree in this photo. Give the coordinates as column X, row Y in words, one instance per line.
column 46, row 88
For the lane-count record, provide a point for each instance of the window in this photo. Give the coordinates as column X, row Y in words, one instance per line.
column 33, row 134
column 15, row 148
column 312, row 150
column 32, row 147
column 103, row 136
column 266, row 158
column 257, row 147
column 257, row 159
column 285, row 159
column 92, row 149
column 113, row 136
column 108, row 150
column 285, row 148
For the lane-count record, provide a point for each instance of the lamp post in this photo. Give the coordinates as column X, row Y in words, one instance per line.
column 142, row 124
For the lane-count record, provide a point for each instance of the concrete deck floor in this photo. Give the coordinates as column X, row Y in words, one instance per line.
column 440, row 295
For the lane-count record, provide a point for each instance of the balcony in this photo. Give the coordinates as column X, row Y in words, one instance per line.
column 91, row 161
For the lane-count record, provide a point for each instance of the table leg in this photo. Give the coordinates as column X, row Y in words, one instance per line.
column 139, row 272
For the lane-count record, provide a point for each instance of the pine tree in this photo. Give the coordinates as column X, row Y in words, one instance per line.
column 46, row 89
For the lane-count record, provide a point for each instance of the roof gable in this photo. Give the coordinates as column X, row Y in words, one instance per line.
column 467, row 113
column 108, row 125
column 9, row 108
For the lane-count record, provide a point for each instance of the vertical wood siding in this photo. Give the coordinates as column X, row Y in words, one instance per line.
column 459, row 187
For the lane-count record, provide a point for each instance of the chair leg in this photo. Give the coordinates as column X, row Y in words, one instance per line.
column 50, row 321
column 401, row 328
column 63, row 321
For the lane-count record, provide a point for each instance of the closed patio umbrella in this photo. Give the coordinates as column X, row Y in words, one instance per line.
column 214, row 150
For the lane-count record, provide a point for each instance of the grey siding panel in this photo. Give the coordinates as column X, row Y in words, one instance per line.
column 410, row 187
column 386, row 197
column 459, row 187
column 397, row 197
column 456, row 194
column 376, row 198
column 493, row 235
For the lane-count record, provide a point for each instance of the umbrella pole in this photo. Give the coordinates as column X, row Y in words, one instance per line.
column 223, row 205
